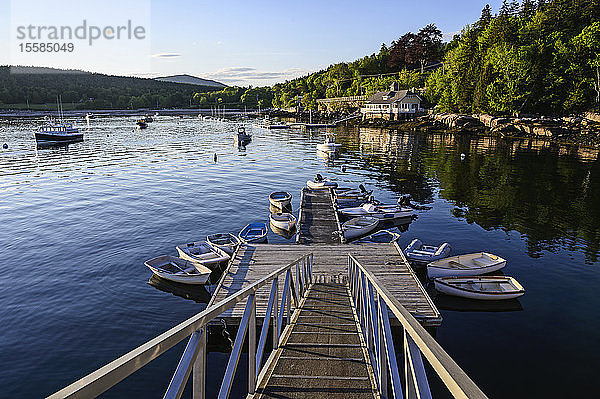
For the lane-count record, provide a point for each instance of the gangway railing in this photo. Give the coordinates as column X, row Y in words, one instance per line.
column 373, row 303
column 194, row 354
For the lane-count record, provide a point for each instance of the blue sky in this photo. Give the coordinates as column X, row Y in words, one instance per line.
column 249, row 43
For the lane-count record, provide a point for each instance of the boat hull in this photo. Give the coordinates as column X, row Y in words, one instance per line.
column 283, row 201
column 257, row 238
column 322, row 185
column 360, row 226
column 448, row 286
column 195, row 280
column 58, row 138
column 439, row 268
column 284, row 223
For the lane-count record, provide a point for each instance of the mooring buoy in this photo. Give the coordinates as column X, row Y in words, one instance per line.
column 5, row 146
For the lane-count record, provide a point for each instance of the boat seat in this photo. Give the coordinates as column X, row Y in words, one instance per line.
column 457, row 265
column 421, row 252
column 482, row 262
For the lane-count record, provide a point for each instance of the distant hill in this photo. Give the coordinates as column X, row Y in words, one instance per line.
column 190, row 80
column 85, row 90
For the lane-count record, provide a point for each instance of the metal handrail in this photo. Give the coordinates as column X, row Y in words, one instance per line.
column 109, row 375
column 373, row 314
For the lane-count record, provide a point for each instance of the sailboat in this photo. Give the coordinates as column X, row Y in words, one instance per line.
column 58, row 131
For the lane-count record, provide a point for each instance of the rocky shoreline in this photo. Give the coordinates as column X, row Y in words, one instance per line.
column 584, row 129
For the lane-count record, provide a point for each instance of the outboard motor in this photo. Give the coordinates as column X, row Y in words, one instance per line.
column 318, row 177
column 362, row 188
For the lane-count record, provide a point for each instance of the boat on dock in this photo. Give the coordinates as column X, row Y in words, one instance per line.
column 480, row 287
column 320, row 183
column 283, row 220
column 378, row 211
column 226, row 241
column 419, row 252
column 359, row 226
column 254, row 233
column 179, row 270
column 202, row 252
column 280, row 199
column 473, row 264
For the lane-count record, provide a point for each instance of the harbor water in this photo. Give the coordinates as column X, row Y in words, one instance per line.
column 78, row 221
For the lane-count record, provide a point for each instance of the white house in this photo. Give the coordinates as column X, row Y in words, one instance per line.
column 393, row 104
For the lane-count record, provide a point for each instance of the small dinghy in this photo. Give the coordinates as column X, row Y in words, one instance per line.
column 419, row 252
column 320, row 183
column 202, row 252
column 178, row 270
column 465, row 265
column 480, row 287
column 226, row 241
column 283, row 220
column 359, row 226
column 378, row 211
column 280, row 199
column 329, row 145
column 254, row 232
column 380, row 237
column 353, row 194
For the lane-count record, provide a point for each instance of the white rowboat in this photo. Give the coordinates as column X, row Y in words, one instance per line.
column 378, row 211
column 226, row 241
column 359, row 226
column 254, row 232
column 283, row 220
column 465, row 265
column 419, row 252
column 280, row 199
column 202, row 252
column 480, row 287
column 178, row 270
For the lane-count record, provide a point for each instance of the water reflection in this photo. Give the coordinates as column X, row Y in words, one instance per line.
column 197, row 293
column 457, row 304
column 548, row 192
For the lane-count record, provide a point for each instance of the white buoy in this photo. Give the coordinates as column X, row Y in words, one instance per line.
column 462, row 156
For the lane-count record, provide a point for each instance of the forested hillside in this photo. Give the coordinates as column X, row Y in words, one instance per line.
column 91, row 90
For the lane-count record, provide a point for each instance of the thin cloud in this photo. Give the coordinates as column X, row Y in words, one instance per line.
column 248, row 75
column 166, row 55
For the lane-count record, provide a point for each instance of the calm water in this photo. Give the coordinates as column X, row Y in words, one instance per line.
column 77, row 223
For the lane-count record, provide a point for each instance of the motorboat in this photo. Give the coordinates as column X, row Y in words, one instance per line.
column 329, row 145
column 226, row 241
column 359, row 226
column 141, row 124
column 353, row 194
column 54, row 132
column 241, row 137
column 380, row 237
column 283, row 220
column 473, row 264
column 419, row 252
column 280, row 199
column 254, row 233
column 378, row 211
column 179, row 270
column 320, row 183
column 202, row 252
column 480, row 287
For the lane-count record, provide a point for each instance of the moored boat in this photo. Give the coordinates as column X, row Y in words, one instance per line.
column 202, row 252
column 480, row 287
column 53, row 132
column 141, row 124
column 320, row 183
column 226, row 241
column 178, row 270
column 380, row 237
column 419, row 252
column 353, row 194
column 473, row 264
column 329, row 145
column 378, row 211
column 241, row 136
column 283, row 220
column 280, row 199
column 254, row 232
column 359, row 226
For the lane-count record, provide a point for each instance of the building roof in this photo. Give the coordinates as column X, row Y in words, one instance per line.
column 389, row 97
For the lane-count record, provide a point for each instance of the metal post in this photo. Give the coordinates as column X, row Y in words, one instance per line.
column 288, row 298
column 252, row 347
column 275, row 318
column 199, row 370
column 383, row 366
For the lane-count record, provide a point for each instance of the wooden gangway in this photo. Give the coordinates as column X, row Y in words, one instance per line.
column 385, row 261
column 322, row 355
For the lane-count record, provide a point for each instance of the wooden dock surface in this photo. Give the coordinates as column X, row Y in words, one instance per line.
column 317, row 222
column 253, row 262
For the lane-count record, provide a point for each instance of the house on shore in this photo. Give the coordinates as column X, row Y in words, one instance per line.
column 394, row 104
